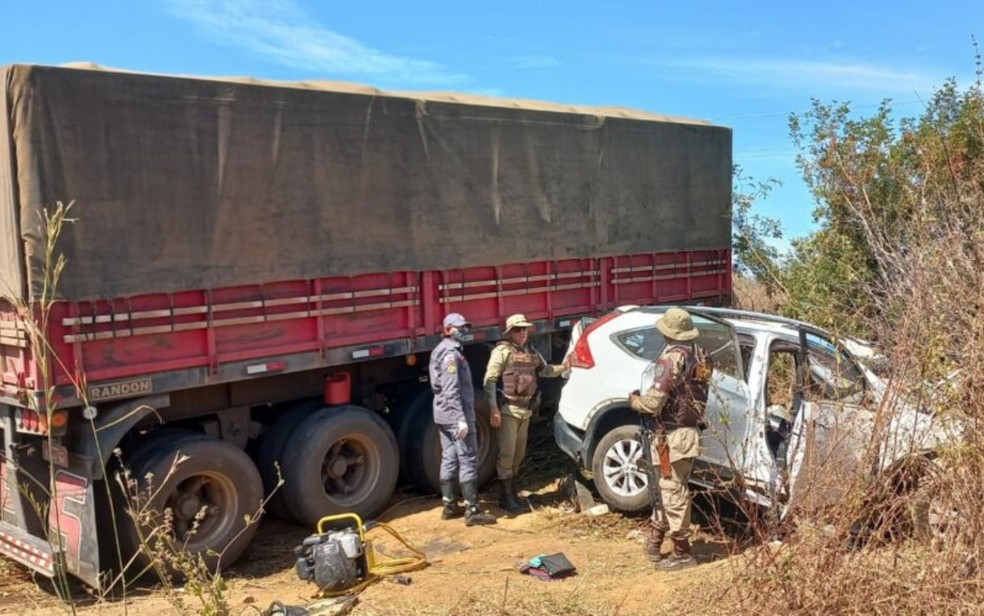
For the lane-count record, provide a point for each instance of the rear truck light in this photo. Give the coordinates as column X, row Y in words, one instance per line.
column 33, row 422
column 582, row 357
column 58, row 423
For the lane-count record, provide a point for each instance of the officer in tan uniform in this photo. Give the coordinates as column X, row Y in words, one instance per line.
column 517, row 365
column 676, row 400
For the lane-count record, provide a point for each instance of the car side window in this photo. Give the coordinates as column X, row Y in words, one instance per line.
column 718, row 342
column 833, row 374
column 716, row 339
column 646, row 343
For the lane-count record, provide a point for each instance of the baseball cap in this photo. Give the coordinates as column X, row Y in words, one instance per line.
column 455, row 320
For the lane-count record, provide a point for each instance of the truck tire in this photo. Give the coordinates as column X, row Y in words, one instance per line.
column 270, row 454
column 406, row 424
column 211, row 476
column 156, row 443
column 340, row 460
column 618, row 473
column 422, row 446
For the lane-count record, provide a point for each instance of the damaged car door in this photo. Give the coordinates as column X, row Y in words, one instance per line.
column 833, row 428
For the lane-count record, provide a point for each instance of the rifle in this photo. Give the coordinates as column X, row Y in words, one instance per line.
column 645, row 438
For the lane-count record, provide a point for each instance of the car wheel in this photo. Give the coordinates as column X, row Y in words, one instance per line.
column 619, row 475
column 339, row 460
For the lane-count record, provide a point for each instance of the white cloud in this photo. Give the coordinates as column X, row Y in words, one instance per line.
column 280, row 31
column 818, row 75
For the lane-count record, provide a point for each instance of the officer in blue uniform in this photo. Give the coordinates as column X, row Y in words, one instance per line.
column 454, row 414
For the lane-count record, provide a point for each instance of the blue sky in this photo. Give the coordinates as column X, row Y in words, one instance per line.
column 745, row 65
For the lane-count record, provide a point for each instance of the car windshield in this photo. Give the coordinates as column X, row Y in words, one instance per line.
column 715, row 338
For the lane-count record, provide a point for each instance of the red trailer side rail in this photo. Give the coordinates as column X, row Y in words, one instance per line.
column 240, row 332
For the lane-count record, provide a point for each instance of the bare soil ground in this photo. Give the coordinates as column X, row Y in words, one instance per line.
column 472, row 570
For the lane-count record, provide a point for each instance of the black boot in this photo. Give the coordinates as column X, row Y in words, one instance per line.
column 473, row 514
column 681, row 558
column 451, row 508
column 508, row 500
column 654, row 543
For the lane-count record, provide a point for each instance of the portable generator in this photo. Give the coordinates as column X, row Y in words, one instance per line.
column 343, row 560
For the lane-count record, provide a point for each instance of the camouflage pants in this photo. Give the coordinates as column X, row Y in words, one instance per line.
column 511, row 437
column 675, row 494
column 684, row 446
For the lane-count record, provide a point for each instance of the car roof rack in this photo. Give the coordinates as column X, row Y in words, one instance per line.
column 734, row 313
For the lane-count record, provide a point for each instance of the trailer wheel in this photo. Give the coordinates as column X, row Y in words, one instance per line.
column 148, row 444
column 340, row 460
column 206, row 487
column 422, row 446
column 271, row 450
column 404, row 422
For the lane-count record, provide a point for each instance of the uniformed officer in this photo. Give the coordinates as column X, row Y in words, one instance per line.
column 518, row 365
column 676, row 399
column 454, row 414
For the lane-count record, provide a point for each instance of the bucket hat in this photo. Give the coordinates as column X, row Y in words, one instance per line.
column 677, row 324
column 517, row 320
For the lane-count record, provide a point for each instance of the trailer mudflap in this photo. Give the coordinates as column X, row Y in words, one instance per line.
column 72, row 525
column 69, row 536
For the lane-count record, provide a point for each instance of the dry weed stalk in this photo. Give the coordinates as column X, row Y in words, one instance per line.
column 911, row 540
column 169, row 560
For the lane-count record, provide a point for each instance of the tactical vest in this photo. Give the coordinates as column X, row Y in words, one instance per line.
column 519, row 375
column 688, row 398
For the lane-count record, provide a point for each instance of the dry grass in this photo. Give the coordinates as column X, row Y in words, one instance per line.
column 509, row 602
column 869, row 548
column 750, row 294
column 608, row 526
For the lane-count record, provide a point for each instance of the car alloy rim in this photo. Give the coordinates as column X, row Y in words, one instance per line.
column 621, row 468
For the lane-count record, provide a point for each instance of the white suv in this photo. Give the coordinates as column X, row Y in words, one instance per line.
column 788, row 402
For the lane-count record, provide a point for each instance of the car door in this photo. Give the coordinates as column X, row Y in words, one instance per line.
column 728, row 402
column 831, row 438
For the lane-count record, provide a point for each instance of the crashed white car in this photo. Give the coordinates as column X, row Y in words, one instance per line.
column 789, row 403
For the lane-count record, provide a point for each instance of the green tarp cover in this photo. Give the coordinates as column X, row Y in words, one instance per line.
column 188, row 183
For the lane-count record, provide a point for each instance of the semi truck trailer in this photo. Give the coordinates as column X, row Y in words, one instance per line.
column 255, row 273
